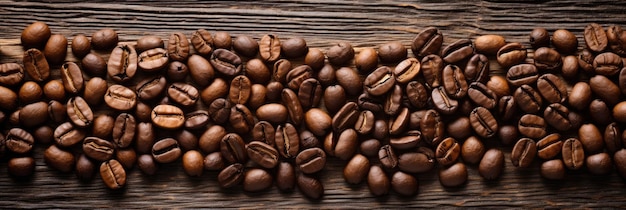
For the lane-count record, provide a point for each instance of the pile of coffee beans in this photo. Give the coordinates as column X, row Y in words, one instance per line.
column 272, row 112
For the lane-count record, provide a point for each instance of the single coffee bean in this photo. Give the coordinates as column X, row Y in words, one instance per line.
column 11, row 74
column 202, row 42
column 168, row 117
column 340, row 53
column 447, row 152
column 341, row 144
column 127, row 157
column 591, row 138
column 103, row 126
column 36, row 65
column 145, row 137
column 153, row 59
column 178, row 47
column 346, row 117
column 246, row 46
column 85, row 168
column 120, row 98
column 98, row 149
column 113, row 174
column 365, row 61
column 615, row 37
column 183, row 94
column 492, row 164
column 619, row 157
column 43, row 134
column 72, row 78
column 511, row 54
column 94, row 65
column 432, row 68
column 489, row 44
column 258, row 96
column 618, row 112
column 477, row 69
column 547, row 59
column 297, row 75
column 585, row 61
column 308, row 140
column 370, row 147
column 580, row 96
column 66, row 134
column 81, row 46
column 104, row 39
column 549, row 146
column 151, row 88
column 612, row 138
column 210, row 140
column 392, row 52
column 528, row 99
column 149, row 42
column 274, row 113
column 432, row 127
column 315, row 58
column 380, row 81
column 214, row 161
column 310, row 186
column 387, row 157
column 294, row 48
column 263, row 154
column 442, row 102
column 356, row 170
column 605, row 89
column 19, row 141
column 54, row 90
column 197, row 119
column 310, row 93
column 417, row 94
column 523, row 153
column 186, row 140
column 599, row 164
column 285, row 177
column 95, row 89
column 124, row 130
column 552, row 88
column 483, row 122
column 532, row 126
column 453, row 176
column 193, row 163
column 393, row 101
column 231, row 176
column 570, row 67
column 411, row 139
column 522, row 74
column 79, row 112
column 34, row 114
column 269, row 48
column 326, row 75
column 595, row 37
column 35, row 35
column 166, row 150
column 573, row 154
column 454, row 81
column 404, row 184
column 56, row 49
column 311, row 160
column 349, row 79
column 122, row 64
column 59, row 159
column 539, row 37
column 427, row 42
column 226, row 62
column 457, row 51
column 257, row 71
column 499, row 86
column 600, row 112
column 508, row 134
column 374, row 104
column 406, row 70
column 482, row 96
column 241, row 119
column 318, row 121
column 256, row 180
column 178, row 71
column 365, row 122
column 564, row 41
column 377, row 181
column 146, row 164
column 472, row 150
column 222, row 40
column 553, row 169
column 607, row 64
column 200, row 69
column 557, row 116
column 287, row 140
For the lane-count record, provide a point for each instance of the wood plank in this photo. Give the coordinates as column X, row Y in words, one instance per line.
column 364, row 24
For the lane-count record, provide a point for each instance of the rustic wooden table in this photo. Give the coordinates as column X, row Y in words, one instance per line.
column 321, row 23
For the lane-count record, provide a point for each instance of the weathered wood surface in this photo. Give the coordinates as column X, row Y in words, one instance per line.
column 321, row 23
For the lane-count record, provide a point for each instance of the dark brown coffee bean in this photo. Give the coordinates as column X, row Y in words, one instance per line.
column 34, row 114
column 523, row 153
column 421, row 161
column 442, row 102
column 547, row 59
column 591, row 138
column 309, row 186
column 19, row 141
column 365, row 122
column 246, row 46
column 427, row 42
column 404, row 184
column 124, row 130
column 35, row 35
column 511, row 54
column 72, row 77
column 342, row 145
column 226, row 62
column 222, row 40
column 178, row 71
column 197, row 119
column 432, row 127
column 349, row 79
column 399, row 123
column 522, row 74
column 600, row 112
column 219, row 110
column 85, row 168
column 193, row 163
column 580, row 96
column 549, row 147
column 573, row 154
column 483, row 122
column 186, row 140
column 120, row 98
column 211, row 138
column 36, row 65
column 311, row 160
column 367, row 102
column 274, row 113
column 11, row 74
column 406, row 70
column 453, row 176
column 507, row 108
column 432, row 68
column 79, row 112
column 620, row 165
column 285, row 177
column 482, row 96
column 263, row 154
column 43, row 134
column 564, row 41
column 377, row 181
column 269, row 48
column 607, row 64
column 340, row 53
column 392, row 52
column 59, row 159
column 318, row 121
column 454, row 81
column 202, row 41
column 528, row 99
column 153, row 59
column 472, row 150
column 30, row 92
column 294, row 48
column 366, row 60
column 615, row 37
column 410, row 140
column 489, row 44
column 257, row 71
column 178, row 47
column 122, row 64
column 150, row 88
column 214, row 161
column 103, row 126
column 393, row 102
column 183, row 94
column 447, row 152
column 200, row 69
column 148, row 42
column 585, row 61
column 104, row 39
column 605, row 89
column 499, row 86
column 168, row 117
column 612, row 138
column 297, row 75
column 145, row 137
column 553, row 169
column 492, row 164
column 417, row 94
column 539, row 37
column 231, row 175
column 310, row 93
column 98, row 149
column 346, row 117
column 113, row 174
column 127, row 157
column 370, row 147
column 380, row 81
column 570, row 67
column 387, row 157
column 599, row 164
column 595, row 37
column 308, row 140
column 619, row 111
column 552, row 88
column 166, row 150
column 557, row 116
column 287, row 140
column 460, row 128
column 477, row 69
column 95, row 89
column 241, row 119
column 381, row 129
column 256, row 180
column 94, row 65
column 532, row 126
column 356, row 170
column 457, row 51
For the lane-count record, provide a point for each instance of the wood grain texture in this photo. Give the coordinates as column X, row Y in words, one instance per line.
column 364, row 24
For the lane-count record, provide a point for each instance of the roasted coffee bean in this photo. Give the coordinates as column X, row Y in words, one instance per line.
column 326, row 75
column 201, row 70
column 552, row 88
column 33, row 114
column 393, row 101
column 573, row 154
column 342, row 145
column 421, row 161
column 585, row 61
column 219, row 110
column 370, row 147
column 197, row 119
column 103, row 126
column 113, row 174
column 365, row 122
column 256, row 180
column 366, row 60
column 620, row 165
column 310, row 186
column 374, row 104
column 442, row 102
column 380, row 81
column 410, row 140
column 263, row 154
column 36, row 65
column 187, row 140
column 460, row 128
column 591, row 138
column 482, row 96
column 580, row 96
column 492, row 164
column 145, row 137
column 297, row 75
column 453, row 176
column 399, row 123
column 35, row 35
column 167, row 117
column 59, row 159
column 19, row 141
column 310, row 93
column 511, row 54
column 532, row 126
column 54, row 90
column 522, row 74
column 149, row 42
column 346, row 117
column 427, row 42
column 280, row 70
column 489, row 44
column 528, row 99
column 95, row 89
column 151, row 88
column 183, row 94
column 599, row 164
column 222, row 40
column 605, row 89
column 11, row 74
column 454, row 81
column 600, row 112
column 202, row 41
column 178, row 47
column 126, row 157
column 549, row 147
column 285, row 177
column 120, row 98
column 340, row 53
column 432, row 127
column 557, row 116
column 269, row 48
column 273, row 112
column 153, row 59
column 94, row 65
column 507, row 107
column 377, row 181
column 406, row 70
column 231, row 176
column 472, row 150
column 447, row 152
column 72, row 78
column 124, row 130
column 477, row 69
column 214, row 161
column 104, row 39
column 211, row 138
column 98, row 149
column 257, row 71
column 570, row 67
column 539, row 37
column 523, row 153
column 241, row 119
column 85, row 168
column 226, row 62
column 595, row 37
column 178, row 71
column 417, row 94
column 483, row 122
column 79, row 112
column 349, row 79
column 387, row 157
column 356, row 170
column 166, row 150
column 392, row 52
column 457, row 51
column 547, row 59
column 258, row 96
column 318, row 121
column 404, row 184
column 553, row 169
column 508, row 134
column 287, row 140
column 432, row 68
column 619, row 112
column 612, row 138
column 607, row 64
column 294, row 48
column 122, row 64
column 143, row 112
column 564, row 41
column 311, row 160
column 615, row 38
column 246, row 46
column 308, row 140
column 43, row 134
column 193, row 163
column 315, row 59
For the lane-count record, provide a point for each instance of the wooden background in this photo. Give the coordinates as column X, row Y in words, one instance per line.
column 364, row 24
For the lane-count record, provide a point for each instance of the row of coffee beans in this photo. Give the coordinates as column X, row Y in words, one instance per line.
column 270, row 112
